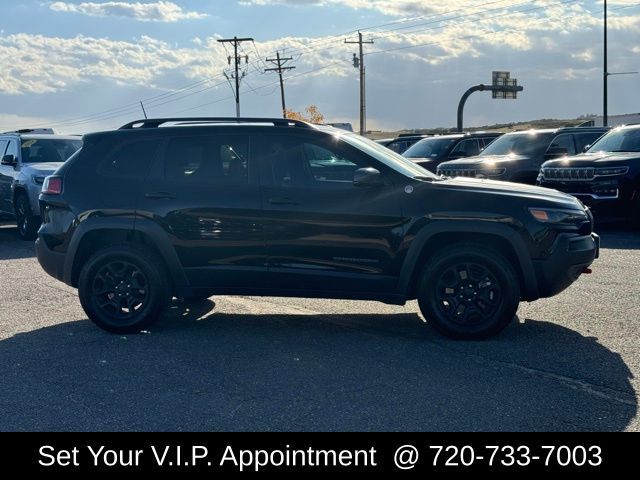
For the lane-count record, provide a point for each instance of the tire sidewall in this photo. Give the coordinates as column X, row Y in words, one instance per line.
column 498, row 266
column 29, row 231
column 157, row 284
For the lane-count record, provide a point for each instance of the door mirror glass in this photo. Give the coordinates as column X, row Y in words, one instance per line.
column 9, row 160
column 367, row 177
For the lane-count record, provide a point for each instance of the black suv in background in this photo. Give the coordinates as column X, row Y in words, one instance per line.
column 606, row 177
column 401, row 143
column 432, row 151
column 517, row 156
column 274, row 207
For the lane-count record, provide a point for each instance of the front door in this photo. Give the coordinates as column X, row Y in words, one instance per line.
column 323, row 232
column 205, row 193
column 7, row 173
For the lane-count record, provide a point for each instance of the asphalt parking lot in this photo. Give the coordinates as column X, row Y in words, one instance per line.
column 569, row 363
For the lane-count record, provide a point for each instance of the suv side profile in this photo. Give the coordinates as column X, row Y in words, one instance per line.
column 27, row 157
column 274, row 207
column 517, row 156
column 606, row 177
column 432, row 151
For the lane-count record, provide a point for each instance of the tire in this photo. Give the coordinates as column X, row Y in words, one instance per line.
column 468, row 311
column 123, row 289
column 26, row 222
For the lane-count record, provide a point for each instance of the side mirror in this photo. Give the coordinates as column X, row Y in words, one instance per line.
column 367, row 177
column 555, row 152
column 586, row 147
column 9, row 160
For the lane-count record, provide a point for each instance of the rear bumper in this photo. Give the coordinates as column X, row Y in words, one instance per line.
column 51, row 262
column 570, row 256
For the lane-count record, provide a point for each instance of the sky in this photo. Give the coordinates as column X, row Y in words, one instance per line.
column 81, row 66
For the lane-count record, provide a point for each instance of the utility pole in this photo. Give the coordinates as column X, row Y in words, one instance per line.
column 280, row 67
column 236, row 41
column 605, row 93
column 143, row 110
column 358, row 62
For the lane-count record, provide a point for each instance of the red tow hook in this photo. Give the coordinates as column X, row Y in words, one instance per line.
column 587, row 270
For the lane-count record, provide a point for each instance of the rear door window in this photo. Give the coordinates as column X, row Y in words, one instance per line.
column 207, row 159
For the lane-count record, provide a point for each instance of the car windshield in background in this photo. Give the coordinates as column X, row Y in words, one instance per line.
column 430, row 148
column 525, row 143
column 618, row 140
column 388, row 157
column 40, row 150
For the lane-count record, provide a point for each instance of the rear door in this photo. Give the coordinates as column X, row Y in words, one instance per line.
column 205, row 194
column 323, row 233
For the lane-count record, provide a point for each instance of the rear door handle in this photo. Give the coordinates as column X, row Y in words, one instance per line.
column 159, row 195
column 283, row 201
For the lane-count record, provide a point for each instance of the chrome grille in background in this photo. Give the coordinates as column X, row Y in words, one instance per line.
column 569, row 174
column 457, row 173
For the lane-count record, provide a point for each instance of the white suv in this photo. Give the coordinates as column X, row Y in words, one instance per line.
column 27, row 157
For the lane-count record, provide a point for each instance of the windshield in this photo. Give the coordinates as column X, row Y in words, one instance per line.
column 40, row 150
column 521, row 143
column 430, row 148
column 388, row 157
column 618, row 140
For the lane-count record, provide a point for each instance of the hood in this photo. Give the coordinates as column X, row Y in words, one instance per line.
column 42, row 168
column 482, row 160
column 595, row 159
column 510, row 189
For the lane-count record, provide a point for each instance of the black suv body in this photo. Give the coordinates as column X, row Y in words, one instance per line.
column 282, row 208
column 401, row 143
column 606, row 177
column 518, row 156
column 432, row 151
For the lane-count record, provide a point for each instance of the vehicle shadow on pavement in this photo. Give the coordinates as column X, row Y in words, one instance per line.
column 17, row 248
column 616, row 236
column 198, row 369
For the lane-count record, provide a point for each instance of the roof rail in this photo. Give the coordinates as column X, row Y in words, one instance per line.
column 156, row 122
column 47, row 131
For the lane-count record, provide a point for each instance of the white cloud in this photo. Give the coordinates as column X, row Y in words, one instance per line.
column 161, row 11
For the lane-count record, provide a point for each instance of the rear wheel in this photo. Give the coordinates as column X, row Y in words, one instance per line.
column 123, row 289
column 468, row 292
column 27, row 223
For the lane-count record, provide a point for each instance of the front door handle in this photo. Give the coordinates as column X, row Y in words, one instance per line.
column 159, row 195
column 283, row 201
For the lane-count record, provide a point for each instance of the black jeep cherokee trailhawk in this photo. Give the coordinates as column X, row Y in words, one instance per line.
column 606, row 177
column 271, row 207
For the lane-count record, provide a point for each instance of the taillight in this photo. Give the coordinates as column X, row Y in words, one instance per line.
column 52, row 186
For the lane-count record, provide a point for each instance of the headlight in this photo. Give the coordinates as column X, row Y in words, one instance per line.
column 491, row 172
column 608, row 171
column 557, row 216
column 37, row 179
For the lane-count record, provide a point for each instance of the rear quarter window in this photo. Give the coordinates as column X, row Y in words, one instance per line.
column 131, row 159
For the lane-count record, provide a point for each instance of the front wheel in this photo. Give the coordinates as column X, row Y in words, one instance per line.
column 27, row 223
column 468, row 292
column 123, row 289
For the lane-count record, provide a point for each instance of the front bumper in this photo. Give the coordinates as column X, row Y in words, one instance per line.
column 569, row 258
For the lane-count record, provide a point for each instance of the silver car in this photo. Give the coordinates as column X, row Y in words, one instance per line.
column 27, row 157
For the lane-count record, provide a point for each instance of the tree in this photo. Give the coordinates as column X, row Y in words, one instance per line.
column 311, row 114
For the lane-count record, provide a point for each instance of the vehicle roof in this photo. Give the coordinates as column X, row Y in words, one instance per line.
column 41, row 136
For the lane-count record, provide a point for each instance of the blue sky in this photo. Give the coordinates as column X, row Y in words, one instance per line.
column 83, row 66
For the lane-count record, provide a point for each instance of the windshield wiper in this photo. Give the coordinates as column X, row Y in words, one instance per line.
column 624, row 151
column 428, row 179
